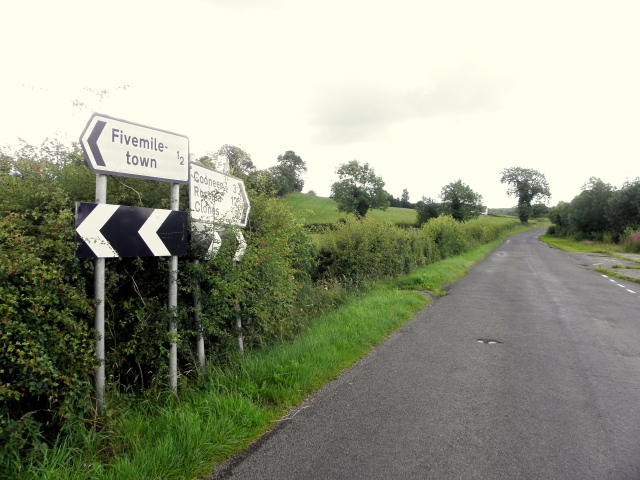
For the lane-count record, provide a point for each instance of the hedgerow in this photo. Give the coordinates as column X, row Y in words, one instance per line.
column 283, row 280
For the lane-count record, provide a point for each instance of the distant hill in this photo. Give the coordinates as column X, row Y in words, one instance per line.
column 311, row 209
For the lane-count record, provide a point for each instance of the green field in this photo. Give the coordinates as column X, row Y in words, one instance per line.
column 320, row 210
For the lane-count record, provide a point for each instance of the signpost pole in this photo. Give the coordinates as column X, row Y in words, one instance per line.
column 101, row 197
column 196, row 307
column 173, row 303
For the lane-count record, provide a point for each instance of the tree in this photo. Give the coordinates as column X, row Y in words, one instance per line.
column 427, row 208
column 587, row 213
column 293, row 164
column 404, row 199
column 240, row 163
column 460, row 201
column 539, row 210
column 358, row 189
column 623, row 208
column 528, row 185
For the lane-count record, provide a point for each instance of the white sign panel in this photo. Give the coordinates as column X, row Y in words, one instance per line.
column 118, row 147
column 217, row 198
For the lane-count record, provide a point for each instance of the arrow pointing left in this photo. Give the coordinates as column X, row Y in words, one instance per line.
column 89, row 230
column 105, row 231
column 114, row 146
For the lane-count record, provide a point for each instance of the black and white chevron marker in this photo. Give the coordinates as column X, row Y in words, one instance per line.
column 105, row 231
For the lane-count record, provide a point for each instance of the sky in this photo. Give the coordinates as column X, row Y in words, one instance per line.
column 426, row 92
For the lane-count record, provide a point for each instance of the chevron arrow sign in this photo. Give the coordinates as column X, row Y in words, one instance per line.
column 104, row 230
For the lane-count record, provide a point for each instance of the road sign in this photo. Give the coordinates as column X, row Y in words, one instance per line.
column 118, row 147
column 216, row 198
column 105, row 230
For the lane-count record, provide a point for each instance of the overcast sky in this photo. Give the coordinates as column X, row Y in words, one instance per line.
column 427, row 92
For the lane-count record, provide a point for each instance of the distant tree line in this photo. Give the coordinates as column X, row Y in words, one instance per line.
column 537, row 210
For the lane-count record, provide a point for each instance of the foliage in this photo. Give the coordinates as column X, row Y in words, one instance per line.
column 235, row 403
column 460, row 201
column 511, row 211
column 402, row 202
column 427, row 208
column 366, row 249
column 447, row 234
column 631, row 241
column 289, row 172
column 313, row 210
column 358, row 189
column 240, row 163
column 361, row 250
column 623, row 208
column 588, row 210
column 283, row 279
column 539, row 210
column 528, row 185
column 599, row 212
column 46, row 354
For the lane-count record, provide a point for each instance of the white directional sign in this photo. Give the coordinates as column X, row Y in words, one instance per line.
column 118, row 147
column 217, row 198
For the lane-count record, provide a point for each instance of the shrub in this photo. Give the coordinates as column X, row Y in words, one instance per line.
column 46, row 354
column 364, row 249
column 631, row 241
column 447, row 234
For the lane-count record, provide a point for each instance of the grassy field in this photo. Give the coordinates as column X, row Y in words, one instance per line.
column 320, row 210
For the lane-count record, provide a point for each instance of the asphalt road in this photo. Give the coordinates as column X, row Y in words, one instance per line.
column 556, row 397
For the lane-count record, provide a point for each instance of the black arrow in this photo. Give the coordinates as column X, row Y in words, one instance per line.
column 93, row 142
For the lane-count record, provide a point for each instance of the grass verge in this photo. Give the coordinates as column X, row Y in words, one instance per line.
column 584, row 246
column 163, row 437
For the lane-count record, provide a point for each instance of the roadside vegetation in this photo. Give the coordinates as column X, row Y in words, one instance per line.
column 601, row 213
column 219, row 413
column 310, row 304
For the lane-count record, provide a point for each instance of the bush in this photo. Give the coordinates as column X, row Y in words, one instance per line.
column 359, row 250
column 447, row 235
column 631, row 241
column 47, row 347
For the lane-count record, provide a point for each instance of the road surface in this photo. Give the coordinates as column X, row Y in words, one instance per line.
column 528, row 369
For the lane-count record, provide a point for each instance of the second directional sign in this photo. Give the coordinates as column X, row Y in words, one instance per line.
column 118, row 147
column 216, row 197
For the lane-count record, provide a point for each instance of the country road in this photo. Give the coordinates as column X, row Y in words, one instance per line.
column 528, row 369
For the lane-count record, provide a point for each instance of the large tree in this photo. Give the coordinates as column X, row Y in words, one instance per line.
column 358, row 189
column 528, row 185
column 289, row 172
column 460, row 201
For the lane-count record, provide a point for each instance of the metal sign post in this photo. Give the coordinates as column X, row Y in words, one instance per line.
column 173, row 304
column 101, row 197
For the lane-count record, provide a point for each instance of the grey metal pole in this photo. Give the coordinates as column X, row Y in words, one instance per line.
column 239, row 320
column 242, row 246
column 101, row 197
column 173, row 303
column 196, row 307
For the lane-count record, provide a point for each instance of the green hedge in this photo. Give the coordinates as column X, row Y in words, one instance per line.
column 46, row 294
